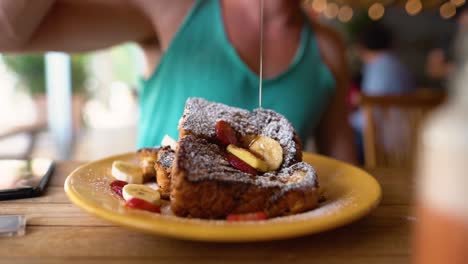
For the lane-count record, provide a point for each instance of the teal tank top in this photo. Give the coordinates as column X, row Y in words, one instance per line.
column 201, row 62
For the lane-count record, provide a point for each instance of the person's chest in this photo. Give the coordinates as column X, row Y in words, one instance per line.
column 281, row 42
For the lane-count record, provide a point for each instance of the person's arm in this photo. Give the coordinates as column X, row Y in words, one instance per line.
column 335, row 136
column 70, row 25
column 19, row 19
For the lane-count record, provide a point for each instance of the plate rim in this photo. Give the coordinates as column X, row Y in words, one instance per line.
column 229, row 231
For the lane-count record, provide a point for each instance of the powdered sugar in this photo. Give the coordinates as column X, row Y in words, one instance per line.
column 166, row 157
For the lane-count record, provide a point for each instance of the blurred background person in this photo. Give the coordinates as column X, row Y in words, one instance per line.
column 382, row 74
column 441, row 62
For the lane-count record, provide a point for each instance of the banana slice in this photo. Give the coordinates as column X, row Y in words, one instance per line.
column 248, row 139
column 269, row 150
column 248, row 158
column 152, row 185
column 168, row 141
column 142, row 192
column 128, row 172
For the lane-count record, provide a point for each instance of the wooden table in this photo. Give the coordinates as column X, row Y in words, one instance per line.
column 59, row 232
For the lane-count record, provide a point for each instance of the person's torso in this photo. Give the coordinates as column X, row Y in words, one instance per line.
column 201, row 62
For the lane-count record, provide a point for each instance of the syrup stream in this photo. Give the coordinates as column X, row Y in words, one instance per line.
column 260, row 84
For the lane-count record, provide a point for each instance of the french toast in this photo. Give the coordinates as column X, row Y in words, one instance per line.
column 163, row 168
column 156, row 163
column 205, row 184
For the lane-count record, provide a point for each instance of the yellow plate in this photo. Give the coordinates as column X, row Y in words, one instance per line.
column 351, row 193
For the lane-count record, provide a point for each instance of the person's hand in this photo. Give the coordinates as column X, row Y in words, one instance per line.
column 19, row 19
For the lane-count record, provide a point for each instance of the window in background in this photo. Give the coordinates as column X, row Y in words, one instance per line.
column 110, row 112
column 17, row 109
column 104, row 110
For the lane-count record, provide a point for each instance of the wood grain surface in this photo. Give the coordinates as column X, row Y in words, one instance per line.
column 59, row 232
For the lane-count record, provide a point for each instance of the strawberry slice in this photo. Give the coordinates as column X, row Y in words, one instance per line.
column 247, row 217
column 240, row 164
column 225, row 133
column 142, row 205
column 117, row 186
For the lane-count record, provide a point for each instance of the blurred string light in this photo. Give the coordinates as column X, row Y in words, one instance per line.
column 319, row 5
column 448, row 10
column 413, row 7
column 345, row 14
column 376, row 11
column 331, row 11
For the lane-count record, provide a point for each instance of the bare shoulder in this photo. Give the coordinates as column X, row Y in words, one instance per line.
column 166, row 16
column 327, row 34
column 331, row 45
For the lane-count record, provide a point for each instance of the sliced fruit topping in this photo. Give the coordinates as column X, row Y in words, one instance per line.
column 248, row 158
column 269, row 150
column 131, row 191
column 169, row 141
column 248, row 139
column 117, row 186
column 143, row 205
column 247, row 217
column 126, row 171
column 240, row 165
column 225, row 133
column 152, row 185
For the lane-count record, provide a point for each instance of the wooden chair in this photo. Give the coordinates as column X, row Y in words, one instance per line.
column 408, row 112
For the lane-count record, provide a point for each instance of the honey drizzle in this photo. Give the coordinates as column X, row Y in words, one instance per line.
column 260, row 84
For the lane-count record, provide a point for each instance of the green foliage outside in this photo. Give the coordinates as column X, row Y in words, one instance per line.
column 124, row 63
column 30, row 69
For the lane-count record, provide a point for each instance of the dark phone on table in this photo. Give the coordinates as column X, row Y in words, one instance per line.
column 24, row 178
